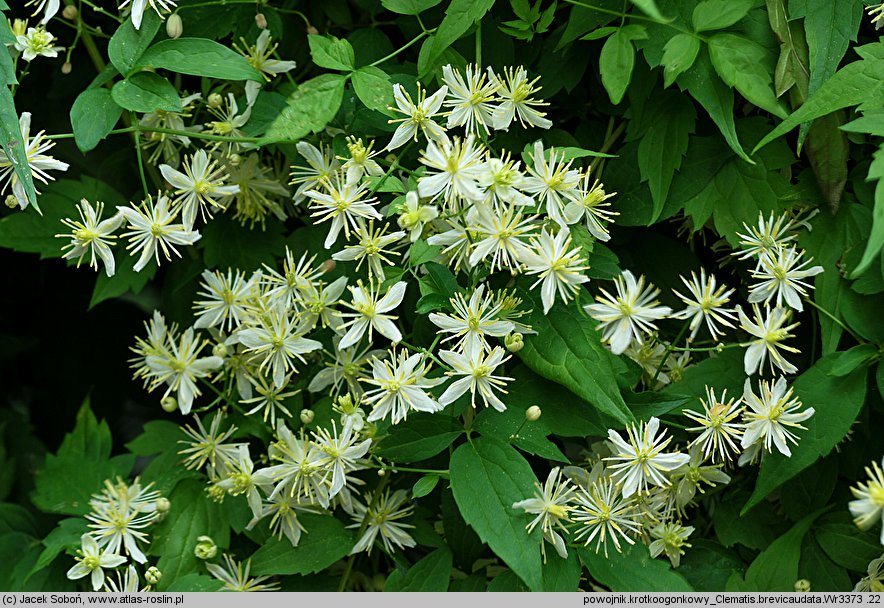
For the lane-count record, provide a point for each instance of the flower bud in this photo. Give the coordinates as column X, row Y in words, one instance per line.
column 70, row 12
column 169, row 404
column 382, row 472
column 532, row 414
column 153, row 575
column 328, row 265
column 215, row 100
column 514, row 342
column 802, row 585
column 11, row 201
column 234, row 159
column 163, row 504
column 174, row 26
column 261, row 21
column 205, row 548
column 219, row 350
column 307, row 416
column 66, row 67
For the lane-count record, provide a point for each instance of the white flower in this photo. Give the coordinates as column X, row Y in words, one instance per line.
column 318, row 301
column 228, row 301
column 868, row 508
column 119, row 516
column 559, row 267
column 298, row 473
column 167, row 144
column 208, row 447
column 670, row 537
column 280, row 339
column 689, row 478
column 91, row 561
column 770, row 416
column 49, row 8
column 340, row 453
column 283, row 511
column 769, row 332
column 90, row 235
column 719, row 429
column 630, row 314
column 503, row 181
column 550, row 504
column 236, row 577
column 230, row 119
column 151, row 230
column 200, row 186
column 38, row 161
column 590, row 201
column 401, row 382
column 874, row 579
column 473, row 320
column 36, row 43
column 553, row 182
column 370, row 313
column 269, row 398
column 458, row 164
column 768, row 236
column 470, row 99
column 287, row 288
column 781, row 272
column 348, row 367
column 413, row 216
column 514, row 92
column 261, row 57
column 641, row 460
column 140, row 6
column 603, row 513
column 705, row 302
column 456, row 241
column 241, row 478
column 477, row 368
column 382, row 519
column 341, row 202
column 501, row 234
column 361, row 161
column 370, row 246
column 419, row 116
column 181, row 367
column 321, row 166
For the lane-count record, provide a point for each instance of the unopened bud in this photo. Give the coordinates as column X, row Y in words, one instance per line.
column 215, row 100
column 163, row 504
column 514, row 342
column 328, row 265
column 532, row 414
column 234, row 159
column 153, row 575
column 174, row 26
column 802, row 585
column 66, row 67
column 219, row 350
column 70, row 12
column 205, row 548
column 312, row 30
column 382, row 472
column 261, row 21
column 11, row 201
column 169, row 404
column 307, row 416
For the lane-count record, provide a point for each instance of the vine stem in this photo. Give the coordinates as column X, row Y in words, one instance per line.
column 835, row 319
column 669, row 348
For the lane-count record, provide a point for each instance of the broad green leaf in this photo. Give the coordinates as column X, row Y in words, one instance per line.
column 756, row 529
column 420, row 437
column 846, row 362
column 816, row 566
column 561, row 575
column 7, row 67
column 664, row 144
column 679, row 55
column 65, row 537
column 809, row 490
column 741, row 64
column 459, row 17
column 194, row 583
column 876, row 237
column 332, row 53
column 776, row 568
column 227, row 244
column 567, row 349
column 851, row 85
column 487, row 478
column 847, row 545
column 93, row 115
column 428, row 575
column 125, row 279
column 707, row 565
column 199, row 57
column 421, row 252
column 649, row 7
column 325, row 541
column 719, row 14
column 173, row 539
column 424, row 486
column 146, row 92
column 829, row 152
column 128, row 44
column 632, row 570
column 409, row 7
column 374, row 88
column 615, row 63
column 836, row 402
column 310, row 108
column 13, row 144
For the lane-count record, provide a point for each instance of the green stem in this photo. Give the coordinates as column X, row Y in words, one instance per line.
column 669, row 350
column 384, row 467
column 636, row 16
column 427, row 353
column 139, row 159
column 835, row 319
column 192, row 134
column 479, row 45
column 402, row 48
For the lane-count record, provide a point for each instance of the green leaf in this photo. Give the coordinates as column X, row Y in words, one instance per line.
column 776, row 568
column 146, row 92
column 373, row 87
column 487, row 477
column 836, row 402
column 632, row 570
column 424, row 486
column 741, row 64
column 664, row 144
column 409, row 7
column 428, row 575
column 194, row 583
column 649, row 7
column 876, row 237
column 615, row 63
column 679, row 55
column 310, row 108
column 459, row 17
column 421, row 252
column 846, row 362
column 567, row 349
column 127, row 44
column 332, row 53
column 823, row 573
column 227, row 244
column 847, row 545
column 829, row 152
column 125, row 279
column 93, row 115
column 561, row 575
column 325, row 541
column 420, row 437
column 65, row 537
column 707, row 565
column 193, row 514
column 199, row 57
column 13, row 145
column 719, row 14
